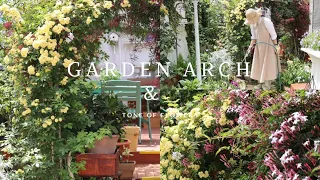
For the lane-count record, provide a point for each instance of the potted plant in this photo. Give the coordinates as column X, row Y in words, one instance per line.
column 107, row 112
column 126, row 167
column 122, row 144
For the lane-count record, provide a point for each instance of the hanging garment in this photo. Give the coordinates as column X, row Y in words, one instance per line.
column 264, row 64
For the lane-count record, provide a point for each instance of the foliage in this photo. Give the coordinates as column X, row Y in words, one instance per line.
column 7, row 97
column 297, row 72
column 311, row 40
column 241, row 135
column 107, row 112
column 217, row 59
column 105, row 78
column 49, row 125
column 126, row 155
column 210, row 25
column 188, row 92
column 291, row 19
column 235, row 36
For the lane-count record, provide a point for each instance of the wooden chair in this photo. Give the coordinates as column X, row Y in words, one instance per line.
column 129, row 91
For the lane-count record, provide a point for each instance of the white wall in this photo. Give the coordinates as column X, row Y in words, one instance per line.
column 122, row 53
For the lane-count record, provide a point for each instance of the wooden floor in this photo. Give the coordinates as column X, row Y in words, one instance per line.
column 148, row 155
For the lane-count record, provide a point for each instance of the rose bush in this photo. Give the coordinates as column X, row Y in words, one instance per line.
column 235, row 134
column 49, row 124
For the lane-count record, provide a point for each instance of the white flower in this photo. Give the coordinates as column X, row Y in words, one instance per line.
column 316, row 145
column 177, row 156
column 299, row 165
column 293, row 128
column 307, row 143
column 69, row 38
column 280, row 177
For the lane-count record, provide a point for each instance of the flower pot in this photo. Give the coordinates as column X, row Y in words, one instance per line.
column 132, row 134
column 106, row 145
column 99, row 165
column 127, row 168
column 122, row 145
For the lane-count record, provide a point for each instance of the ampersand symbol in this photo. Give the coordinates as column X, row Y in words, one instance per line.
column 150, row 95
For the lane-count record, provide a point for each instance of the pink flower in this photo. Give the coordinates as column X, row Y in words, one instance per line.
column 198, row 155
column 185, row 162
column 208, row 147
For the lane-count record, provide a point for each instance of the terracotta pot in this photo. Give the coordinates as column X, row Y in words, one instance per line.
column 122, row 145
column 127, row 168
column 99, row 165
column 106, row 145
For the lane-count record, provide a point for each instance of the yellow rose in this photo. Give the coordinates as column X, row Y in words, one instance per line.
column 207, row 121
column 108, row 5
column 96, row 13
column 67, row 62
column 31, row 70
column 24, row 52
column 26, row 112
column 35, row 102
column 175, row 138
column 125, row 3
column 19, row 171
column 23, row 102
column 4, row 8
column 66, row 9
column 49, row 122
column 44, row 125
column 186, row 143
column 6, row 60
column 28, row 90
column 64, row 81
column 57, row 28
column 64, row 21
column 64, row 110
column 203, row 174
column 198, row 132
column 89, row 20
column 223, row 119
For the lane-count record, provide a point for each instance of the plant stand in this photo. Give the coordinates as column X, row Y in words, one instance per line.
column 315, row 73
column 100, row 165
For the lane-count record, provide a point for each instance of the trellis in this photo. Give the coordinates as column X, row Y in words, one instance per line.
column 314, row 15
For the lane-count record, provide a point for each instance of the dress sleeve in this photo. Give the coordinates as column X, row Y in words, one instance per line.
column 270, row 27
column 253, row 33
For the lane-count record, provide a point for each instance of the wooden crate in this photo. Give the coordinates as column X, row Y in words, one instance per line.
column 99, row 165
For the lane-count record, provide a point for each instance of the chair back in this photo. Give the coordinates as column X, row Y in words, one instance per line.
column 125, row 90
